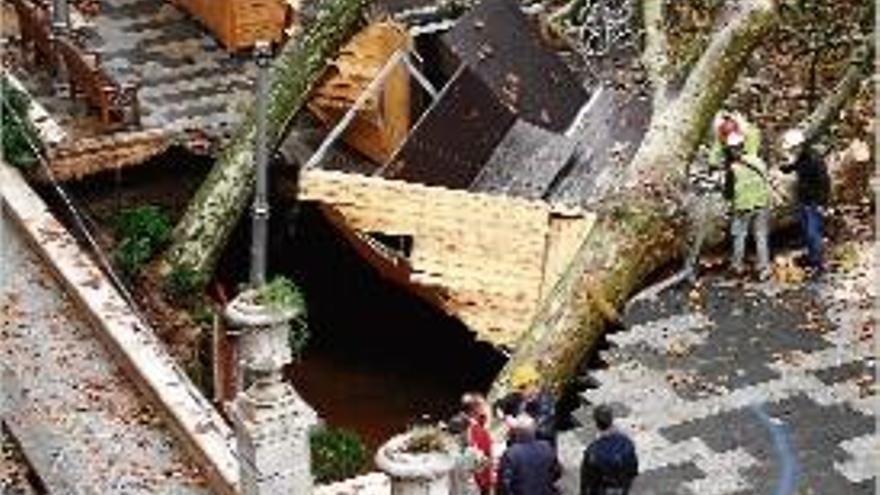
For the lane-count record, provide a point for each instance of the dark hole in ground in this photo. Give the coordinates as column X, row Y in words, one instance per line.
column 379, row 358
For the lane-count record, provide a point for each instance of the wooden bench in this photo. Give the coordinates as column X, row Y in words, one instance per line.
column 35, row 27
column 117, row 103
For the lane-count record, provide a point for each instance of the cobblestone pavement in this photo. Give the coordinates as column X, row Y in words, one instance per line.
column 80, row 422
column 188, row 82
column 734, row 390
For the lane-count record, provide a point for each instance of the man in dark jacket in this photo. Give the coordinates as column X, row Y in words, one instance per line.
column 610, row 463
column 813, row 189
column 529, row 465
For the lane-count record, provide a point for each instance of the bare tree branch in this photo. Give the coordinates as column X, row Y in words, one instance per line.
column 656, row 54
column 846, row 88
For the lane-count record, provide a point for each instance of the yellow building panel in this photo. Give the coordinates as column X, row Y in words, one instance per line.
column 488, row 255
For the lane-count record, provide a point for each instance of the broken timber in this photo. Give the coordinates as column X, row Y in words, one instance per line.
column 382, row 121
column 487, row 259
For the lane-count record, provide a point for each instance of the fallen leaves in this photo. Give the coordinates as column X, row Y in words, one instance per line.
column 679, row 348
column 785, row 270
column 867, row 385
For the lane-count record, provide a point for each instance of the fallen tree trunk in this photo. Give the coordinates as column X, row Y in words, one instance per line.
column 201, row 234
column 641, row 227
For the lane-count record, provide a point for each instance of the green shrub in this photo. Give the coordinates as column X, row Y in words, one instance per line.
column 142, row 231
column 131, row 254
column 204, row 314
column 337, row 454
column 281, row 293
column 426, row 439
column 183, row 283
column 144, row 221
column 21, row 142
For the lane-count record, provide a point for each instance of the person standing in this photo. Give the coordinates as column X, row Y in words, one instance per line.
column 813, row 190
column 468, row 460
column 477, row 411
column 529, row 465
column 528, row 397
column 610, row 463
column 748, row 188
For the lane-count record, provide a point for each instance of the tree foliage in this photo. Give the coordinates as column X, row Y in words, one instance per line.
column 142, row 231
column 337, row 454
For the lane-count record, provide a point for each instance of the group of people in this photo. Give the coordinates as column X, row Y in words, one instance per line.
column 529, row 464
column 745, row 185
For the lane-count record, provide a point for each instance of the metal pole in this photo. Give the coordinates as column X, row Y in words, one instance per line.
column 60, row 28
column 60, row 15
column 260, row 211
column 343, row 123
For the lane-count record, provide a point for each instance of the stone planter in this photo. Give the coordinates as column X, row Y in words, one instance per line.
column 272, row 422
column 420, row 473
column 263, row 343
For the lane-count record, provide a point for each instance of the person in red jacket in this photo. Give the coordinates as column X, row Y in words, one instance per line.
column 477, row 409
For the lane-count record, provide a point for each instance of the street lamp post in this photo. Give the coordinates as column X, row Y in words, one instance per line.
column 272, row 422
column 60, row 28
column 260, row 208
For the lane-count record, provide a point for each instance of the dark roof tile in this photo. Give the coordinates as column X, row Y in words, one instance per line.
column 455, row 137
column 527, row 163
column 503, row 48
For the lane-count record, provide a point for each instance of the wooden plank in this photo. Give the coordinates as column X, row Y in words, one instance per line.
column 565, row 236
column 383, row 121
column 484, row 253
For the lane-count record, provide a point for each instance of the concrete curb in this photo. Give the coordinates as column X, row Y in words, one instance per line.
column 194, row 420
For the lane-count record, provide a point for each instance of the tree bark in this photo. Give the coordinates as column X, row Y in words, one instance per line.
column 656, row 53
column 214, row 211
column 637, row 233
column 638, row 227
column 849, row 84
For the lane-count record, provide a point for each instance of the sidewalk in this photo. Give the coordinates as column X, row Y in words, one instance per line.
column 731, row 390
column 79, row 420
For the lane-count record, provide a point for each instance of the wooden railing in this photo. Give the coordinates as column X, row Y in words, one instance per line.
column 36, row 31
column 116, row 102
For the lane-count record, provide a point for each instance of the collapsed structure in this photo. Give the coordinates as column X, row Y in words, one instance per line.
column 471, row 146
column 481, row 207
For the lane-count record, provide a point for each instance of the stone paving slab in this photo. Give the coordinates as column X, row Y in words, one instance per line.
column 79, row 420
column 712, row 383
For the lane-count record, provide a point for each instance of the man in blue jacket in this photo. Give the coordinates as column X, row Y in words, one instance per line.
column 529, row 465
column 813, row 191
column 610, row 463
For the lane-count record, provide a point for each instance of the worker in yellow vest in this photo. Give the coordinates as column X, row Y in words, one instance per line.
column 727, row 123
column 748, row 189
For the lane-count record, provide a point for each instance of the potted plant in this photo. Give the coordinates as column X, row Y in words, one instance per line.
column 419, row 461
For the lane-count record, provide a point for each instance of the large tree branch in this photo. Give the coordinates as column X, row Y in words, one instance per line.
column 637, row 231
column 216, row 207
column 655, row 56
column 633, row 237
column 849, row 84
column 677, row 130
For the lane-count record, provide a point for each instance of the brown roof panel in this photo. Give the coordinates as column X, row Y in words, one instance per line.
column 503, row 48
column 455, row 137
